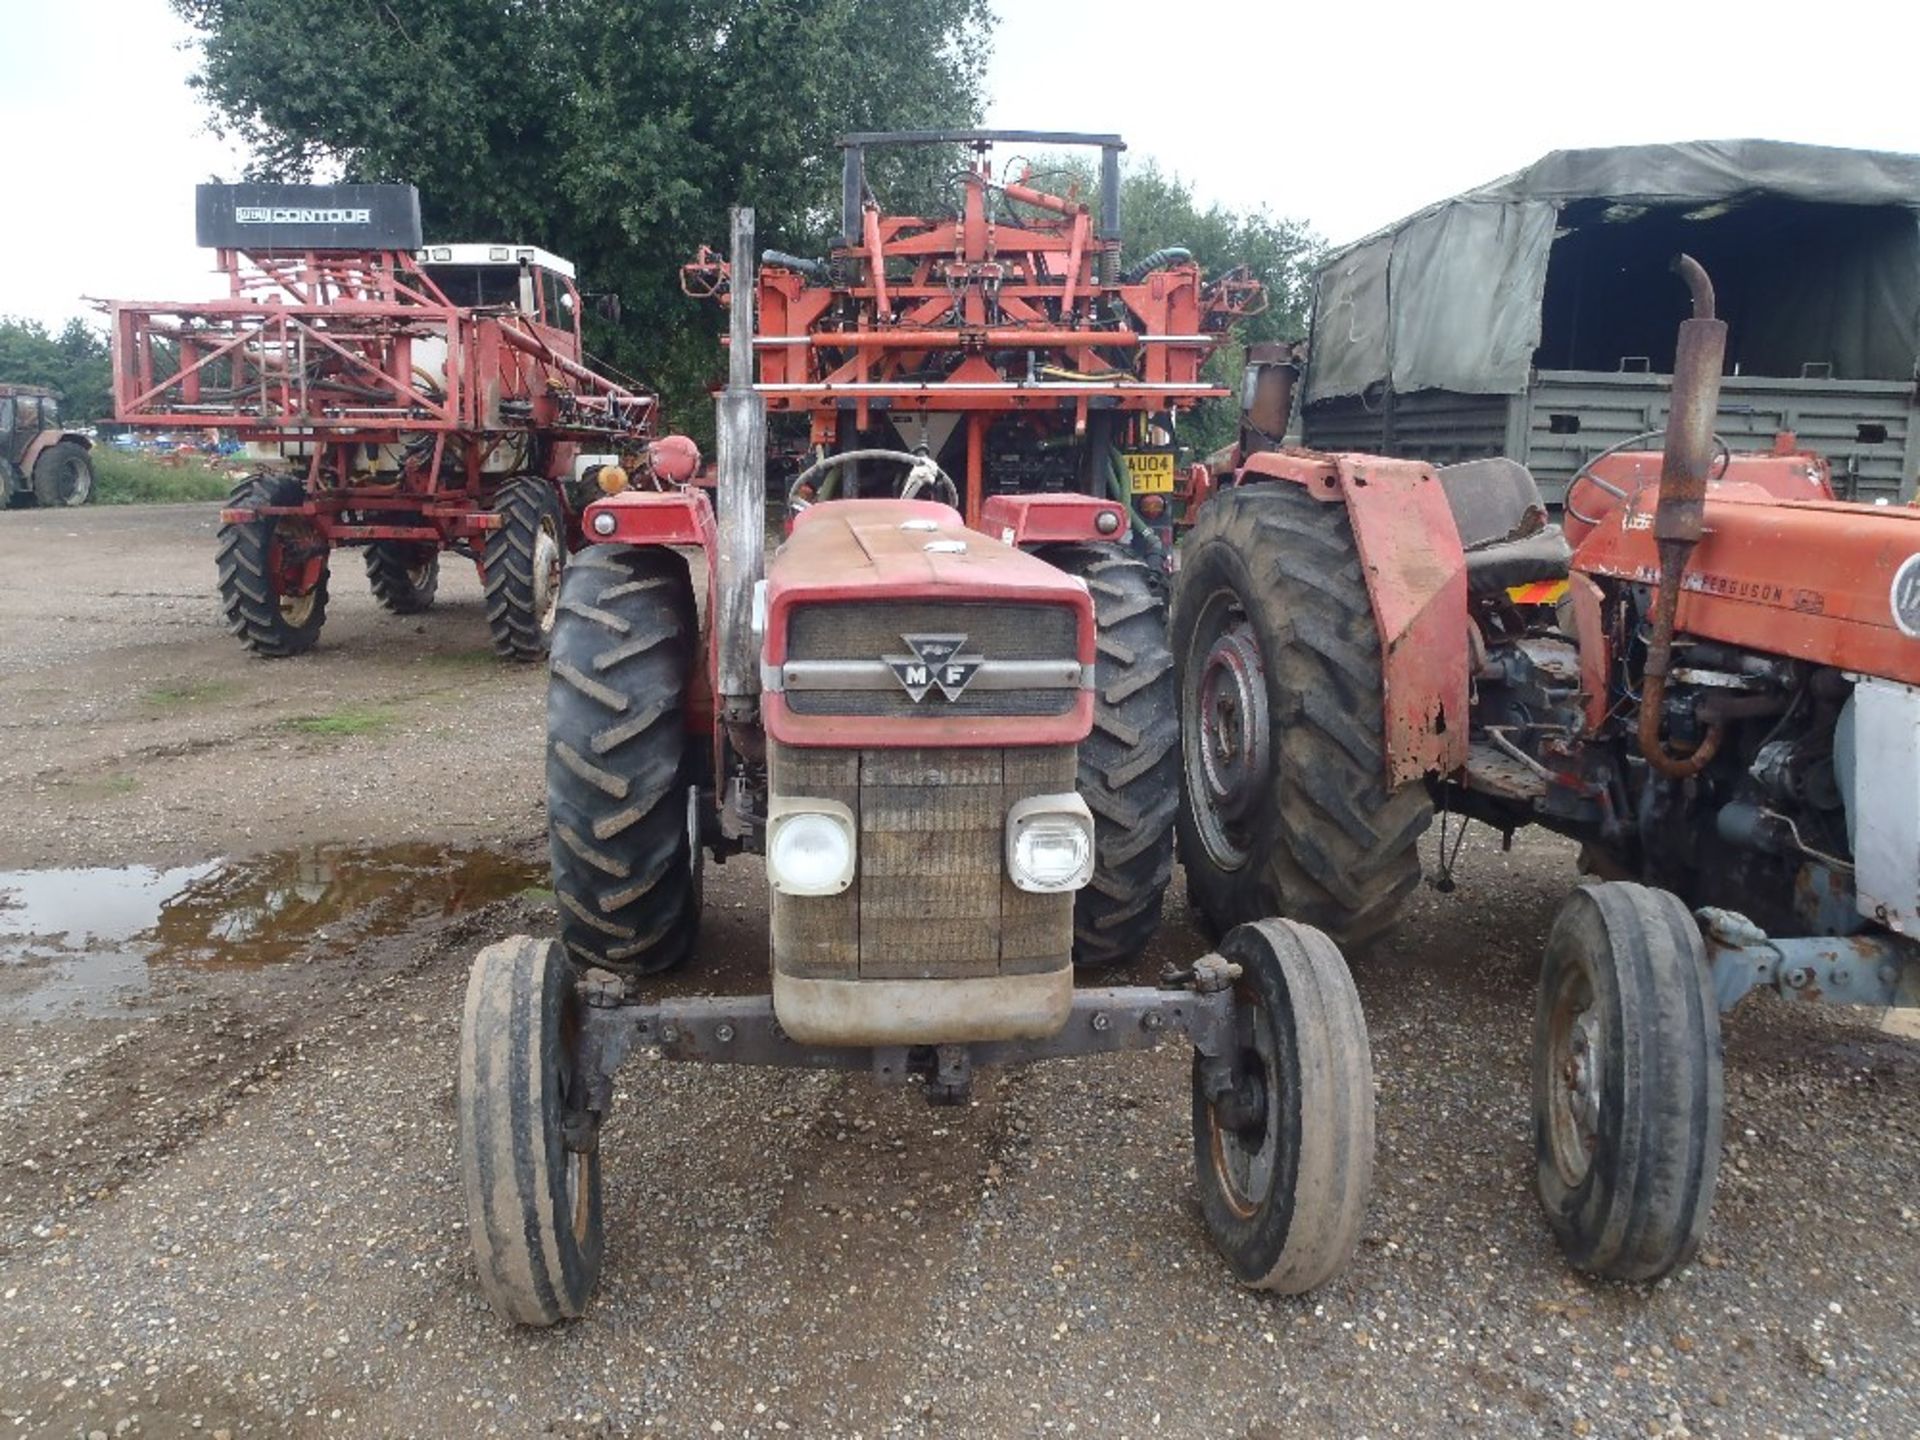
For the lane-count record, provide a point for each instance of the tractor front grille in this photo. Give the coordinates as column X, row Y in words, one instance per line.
column 869, row 633
column 930, row 898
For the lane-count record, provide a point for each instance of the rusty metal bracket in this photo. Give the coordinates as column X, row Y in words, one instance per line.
column 1872, row 969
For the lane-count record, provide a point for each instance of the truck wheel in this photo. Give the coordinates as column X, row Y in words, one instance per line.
column 273, row 571
column 63, row 475
column 1284, row 1194
column 520, row 568
column 1284, row 806
column 528, row 1149
column 622, row 816
column 1627, row 1082
column 1129, row 764
column 404, row 577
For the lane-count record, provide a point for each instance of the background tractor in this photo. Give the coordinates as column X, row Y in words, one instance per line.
column 407, row 401
column 1710, row 677
column 38, row 460
column 933, row 734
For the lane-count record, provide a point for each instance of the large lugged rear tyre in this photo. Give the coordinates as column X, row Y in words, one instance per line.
column 529, row 1155
column 1627, row 1082
column 63, row 475
column 404, row 576
column 621, row 818
column 1284, row 807
column 521, row 566
column 1284, row 1191
column 1129, row 764
column 274, row 598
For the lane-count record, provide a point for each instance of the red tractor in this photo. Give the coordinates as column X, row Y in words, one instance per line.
column 1710, row 677
column 407, row 401
column 953, row 744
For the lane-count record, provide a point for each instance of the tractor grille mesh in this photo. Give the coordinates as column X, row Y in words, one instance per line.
column 930, row 899
column 869, row 631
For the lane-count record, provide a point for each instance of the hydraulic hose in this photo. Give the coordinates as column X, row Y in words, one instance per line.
column 1165, row 255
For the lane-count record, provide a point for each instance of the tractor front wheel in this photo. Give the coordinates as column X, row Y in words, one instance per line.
column 1627, row 1082
column 1130, row 762
column 273, row 571
column 63, row 475
column 1284, row 805
column 623, row 811
column 1285, row 1169
column 404, row 576
column 521, row 567
column 529, row 1149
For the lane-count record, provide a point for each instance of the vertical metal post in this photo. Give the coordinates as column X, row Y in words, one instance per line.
column 1109, row 192
column 741, row 432
column 853, row 184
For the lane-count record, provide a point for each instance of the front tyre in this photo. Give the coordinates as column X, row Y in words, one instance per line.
column 1130, row 761
column 1627, row 1082
column 622, row 807
column 529, row 1155
column 1284, row 1179
column 273, row 570
column 63, row 475
column 521, row 566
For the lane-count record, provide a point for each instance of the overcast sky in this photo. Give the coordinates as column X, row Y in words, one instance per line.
column 1344, row 115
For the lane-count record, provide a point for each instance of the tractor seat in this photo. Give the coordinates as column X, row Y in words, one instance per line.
column 1503, row 526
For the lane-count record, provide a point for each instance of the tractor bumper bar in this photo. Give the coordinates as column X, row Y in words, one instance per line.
column 743, row 1030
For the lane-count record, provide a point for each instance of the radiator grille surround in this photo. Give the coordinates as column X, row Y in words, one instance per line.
column 996, row 630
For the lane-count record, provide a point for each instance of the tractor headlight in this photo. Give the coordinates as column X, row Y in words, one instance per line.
column 1050, row 843
column 809, row 846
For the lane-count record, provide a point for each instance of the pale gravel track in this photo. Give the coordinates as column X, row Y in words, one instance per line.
column 257, row 1226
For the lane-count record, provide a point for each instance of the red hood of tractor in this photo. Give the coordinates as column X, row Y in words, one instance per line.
column 854, row 551
column 847, row 549
column 1812, row 579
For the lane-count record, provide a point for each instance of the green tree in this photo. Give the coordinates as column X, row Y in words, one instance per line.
column 74, row 362
column 614, row 132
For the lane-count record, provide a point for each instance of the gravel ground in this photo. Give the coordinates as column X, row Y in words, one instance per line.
column 229, row 1200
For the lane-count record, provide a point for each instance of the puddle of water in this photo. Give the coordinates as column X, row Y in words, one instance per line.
column 87, row 940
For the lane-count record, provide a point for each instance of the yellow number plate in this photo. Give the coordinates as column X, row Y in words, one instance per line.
column 1150, row 474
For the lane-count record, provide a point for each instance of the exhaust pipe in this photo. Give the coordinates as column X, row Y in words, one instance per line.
column 741, row 433
column 1680, row 517
column 1266, row 397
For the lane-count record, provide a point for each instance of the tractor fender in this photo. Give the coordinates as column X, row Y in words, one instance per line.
column 44, row 442
column 1022, row 520
column 653, row 517
column 1416, row 578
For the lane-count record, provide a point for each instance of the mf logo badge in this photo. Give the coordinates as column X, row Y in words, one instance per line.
column 935, row 664
column 1905, row 597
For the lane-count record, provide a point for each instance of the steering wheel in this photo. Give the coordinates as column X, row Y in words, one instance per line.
column 1723, row 455
column 923, row 474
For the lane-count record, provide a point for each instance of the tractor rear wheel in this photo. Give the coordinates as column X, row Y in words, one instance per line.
column 1129, row 763
column 63, row 475
column 1284, row 805
column 521, row 566
column 1627, row 1082
column 1284, row 1179
column 529, row 1149
column 273, row 571
column 404, row 576
column 622, row 803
